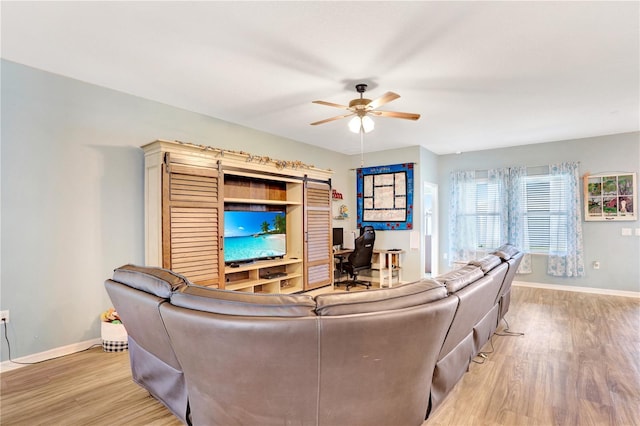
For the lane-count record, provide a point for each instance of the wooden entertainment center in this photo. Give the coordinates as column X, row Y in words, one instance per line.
column 187, row 189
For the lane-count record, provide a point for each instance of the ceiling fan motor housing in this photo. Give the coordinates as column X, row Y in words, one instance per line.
column 359, row 104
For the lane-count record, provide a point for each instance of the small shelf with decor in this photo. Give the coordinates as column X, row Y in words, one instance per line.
column 343, row 211
column 389, row 264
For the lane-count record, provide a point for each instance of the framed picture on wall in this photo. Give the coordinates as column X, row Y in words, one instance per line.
column 385, row 197
column 610, row 197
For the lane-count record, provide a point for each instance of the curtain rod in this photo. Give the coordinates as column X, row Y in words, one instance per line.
column 528, row 167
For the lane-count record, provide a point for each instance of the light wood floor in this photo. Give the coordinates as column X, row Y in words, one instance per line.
column 577, row 364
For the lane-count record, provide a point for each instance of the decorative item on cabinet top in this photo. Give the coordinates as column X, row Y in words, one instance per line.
column 240, row 158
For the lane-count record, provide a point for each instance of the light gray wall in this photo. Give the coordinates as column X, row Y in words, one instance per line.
column 72, row 195
column 619, row 256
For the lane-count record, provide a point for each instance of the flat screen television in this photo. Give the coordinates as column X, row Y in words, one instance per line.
column 254, row 235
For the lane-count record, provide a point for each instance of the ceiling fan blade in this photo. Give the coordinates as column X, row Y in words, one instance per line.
column 330, row 104
column 394, row 114
column 332, row 119
column 386, row 98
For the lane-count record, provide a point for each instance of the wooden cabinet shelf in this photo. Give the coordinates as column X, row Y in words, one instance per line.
column 259, row 201
column 261, row 264
column 251, row 277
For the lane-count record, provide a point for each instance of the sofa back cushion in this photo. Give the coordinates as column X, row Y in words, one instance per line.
column 460, row 278
column 506, row 251
column 487, row 262
column 376, row 368
column 246, row 304
column 247, row 370
column 154, row 364
column 403, row 296
column 157, row 281
column 475, row 300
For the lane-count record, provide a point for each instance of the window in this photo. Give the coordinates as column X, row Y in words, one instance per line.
column 479, row 219
column 545, row 217
column 535, row 208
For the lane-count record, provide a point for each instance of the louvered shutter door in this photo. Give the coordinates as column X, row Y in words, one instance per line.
column 318, row 255
column 192, row 207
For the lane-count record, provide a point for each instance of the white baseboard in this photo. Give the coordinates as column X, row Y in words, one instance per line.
column 51, row 353
column 560, row 287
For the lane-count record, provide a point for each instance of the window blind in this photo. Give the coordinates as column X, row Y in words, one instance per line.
column 545, row 203
column 488, row 206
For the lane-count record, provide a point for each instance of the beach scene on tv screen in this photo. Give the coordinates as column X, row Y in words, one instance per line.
column 252, row 235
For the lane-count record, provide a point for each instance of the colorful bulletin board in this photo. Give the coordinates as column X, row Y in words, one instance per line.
column 385, row 197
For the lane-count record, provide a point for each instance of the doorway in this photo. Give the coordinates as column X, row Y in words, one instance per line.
column 430, row 226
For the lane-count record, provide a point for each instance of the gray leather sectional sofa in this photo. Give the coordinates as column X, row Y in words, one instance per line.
column 376, row 357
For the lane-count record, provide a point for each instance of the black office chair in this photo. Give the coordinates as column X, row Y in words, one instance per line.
column 368, row 228
column 360, row 258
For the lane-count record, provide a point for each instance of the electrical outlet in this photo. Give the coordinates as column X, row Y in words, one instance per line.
column 596, row 265
column 4, row 316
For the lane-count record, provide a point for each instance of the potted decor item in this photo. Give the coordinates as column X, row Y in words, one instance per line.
column 114, row 335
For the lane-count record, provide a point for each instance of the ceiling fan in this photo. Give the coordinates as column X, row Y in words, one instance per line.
column 362, row 108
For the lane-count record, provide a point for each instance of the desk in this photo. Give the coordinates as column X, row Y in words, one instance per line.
column 386, row 261
column 341, row 255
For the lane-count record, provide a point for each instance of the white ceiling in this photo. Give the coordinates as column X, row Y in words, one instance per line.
column 481, row 74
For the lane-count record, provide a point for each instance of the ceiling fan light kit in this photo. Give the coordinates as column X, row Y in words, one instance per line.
column 366, row 123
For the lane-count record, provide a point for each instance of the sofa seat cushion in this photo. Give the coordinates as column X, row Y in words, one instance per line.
column 460, row 278
column 399, row 297
column 506, row 252
column 228, row 302
column 487, row 262
column 157, row 281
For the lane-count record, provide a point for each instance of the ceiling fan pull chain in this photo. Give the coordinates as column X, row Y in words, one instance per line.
column 361, row 145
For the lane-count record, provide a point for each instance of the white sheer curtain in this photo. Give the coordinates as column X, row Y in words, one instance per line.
column 462, row 224
column 516, row 207
column 498, row 179
column 566, row 260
